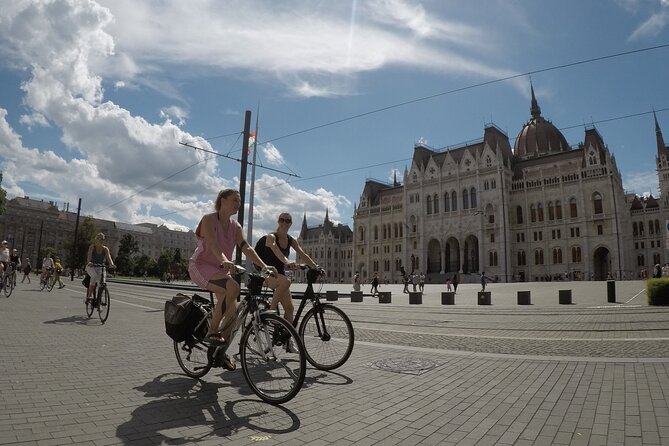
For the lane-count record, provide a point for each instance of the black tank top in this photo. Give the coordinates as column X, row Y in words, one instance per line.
column 267, row 255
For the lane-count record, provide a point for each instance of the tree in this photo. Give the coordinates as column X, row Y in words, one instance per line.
column 87, row 231
column 124, row 258
column 146, row 264
column 3, row 197
column 166, row 260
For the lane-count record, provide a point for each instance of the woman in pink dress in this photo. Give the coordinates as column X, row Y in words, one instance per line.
column 211, row 263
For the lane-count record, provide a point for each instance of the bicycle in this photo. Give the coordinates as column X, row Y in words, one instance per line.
column 9, row 279
column 100, row 300
column 326, row 331
column 271, row 370
column 46, row 280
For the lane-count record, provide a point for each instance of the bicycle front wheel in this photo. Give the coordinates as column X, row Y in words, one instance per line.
column 271, row 369
column 90, row 307
column 7, row 286
column 327, row 334
column 42, row 283
column 103, row 304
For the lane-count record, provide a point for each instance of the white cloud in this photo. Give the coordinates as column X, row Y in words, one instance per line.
column 642, row 183
column 653, row 25
column 176, row 112
column 272, row 155
column 34, row 119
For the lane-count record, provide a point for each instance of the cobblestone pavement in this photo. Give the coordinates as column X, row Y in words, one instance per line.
column 588, row 373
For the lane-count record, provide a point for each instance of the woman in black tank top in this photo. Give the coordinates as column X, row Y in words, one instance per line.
column 274, row 249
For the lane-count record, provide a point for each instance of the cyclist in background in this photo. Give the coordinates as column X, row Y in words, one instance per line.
column 97, row 254
column 4, row 256
column 274, row 249
column 15, row 261
column 47, row 265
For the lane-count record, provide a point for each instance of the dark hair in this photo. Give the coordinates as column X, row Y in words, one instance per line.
column 225, row 193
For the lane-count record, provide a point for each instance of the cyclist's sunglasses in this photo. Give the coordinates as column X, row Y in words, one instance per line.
column 285, row 220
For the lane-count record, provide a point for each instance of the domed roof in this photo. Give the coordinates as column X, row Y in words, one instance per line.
column 539, row 136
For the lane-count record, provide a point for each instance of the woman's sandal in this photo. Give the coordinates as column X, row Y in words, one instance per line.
column 215, row 338
column 229, row 363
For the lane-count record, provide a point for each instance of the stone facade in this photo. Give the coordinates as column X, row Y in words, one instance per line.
column 542, row 211
column 32, row 226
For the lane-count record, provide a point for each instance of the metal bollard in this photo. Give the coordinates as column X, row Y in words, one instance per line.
column 484, row 298
column 356, row 296
column 564, row 297
column 415, row 298
column 331, row 295
column 448, row 298
column 384, row 297
column 611, row 291
column 524, row 298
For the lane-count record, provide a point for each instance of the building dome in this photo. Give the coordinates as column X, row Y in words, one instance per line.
column 539, row 136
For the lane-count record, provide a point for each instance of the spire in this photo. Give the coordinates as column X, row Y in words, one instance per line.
column 395, row 178
column 327, row 218
column 304, row 229
column 535, row 110
column 661, row 147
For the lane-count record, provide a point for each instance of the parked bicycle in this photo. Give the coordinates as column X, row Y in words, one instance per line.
column 9, row 279
column 46, row 280
column 100, row 300
column 273, row 371
column 326, row 331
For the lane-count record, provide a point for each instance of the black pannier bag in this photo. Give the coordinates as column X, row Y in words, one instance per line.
column 181, row 317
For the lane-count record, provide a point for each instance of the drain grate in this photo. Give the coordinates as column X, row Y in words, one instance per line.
column 411, row 366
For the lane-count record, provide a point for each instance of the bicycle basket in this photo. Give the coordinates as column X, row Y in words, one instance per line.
column 178, row 320
column 313, row 275
column 255, row 283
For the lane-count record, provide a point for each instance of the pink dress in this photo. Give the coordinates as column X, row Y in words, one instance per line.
column 203, row 265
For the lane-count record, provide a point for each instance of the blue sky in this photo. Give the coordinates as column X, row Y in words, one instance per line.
column 97, row 95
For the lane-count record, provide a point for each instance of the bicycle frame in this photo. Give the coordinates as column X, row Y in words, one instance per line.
column 316, row 302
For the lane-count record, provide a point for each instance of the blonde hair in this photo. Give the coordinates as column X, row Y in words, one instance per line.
column 225, row 193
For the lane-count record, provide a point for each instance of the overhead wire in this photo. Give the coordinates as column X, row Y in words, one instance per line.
column 404, row 103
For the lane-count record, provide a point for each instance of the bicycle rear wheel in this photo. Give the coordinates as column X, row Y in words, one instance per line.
column 50, row 283
column 7, row 286
column 192, row 357
column 90, row 307
column 271, row 371
column 42, row 283
column 103, row 304
column 327, row 334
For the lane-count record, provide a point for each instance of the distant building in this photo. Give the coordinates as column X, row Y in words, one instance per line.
column 329, row 245
column 542, row 211
column 32, row 226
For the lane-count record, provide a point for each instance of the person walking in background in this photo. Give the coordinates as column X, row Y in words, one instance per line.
column 58, row 268
column 27, row 267
column 449, row 283
column 375, row 285
column 421, row 281
column 484, row 279
column 456, row 280
column 356, row 282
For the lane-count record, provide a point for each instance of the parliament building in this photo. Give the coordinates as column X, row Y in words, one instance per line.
column 540, row 210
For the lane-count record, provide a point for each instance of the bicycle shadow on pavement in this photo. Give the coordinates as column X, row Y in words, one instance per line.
column 327, row 377
column 78, row 320
column 179, row 402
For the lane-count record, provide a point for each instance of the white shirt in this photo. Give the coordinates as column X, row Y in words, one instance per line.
column 4, row 255
column 47, row 262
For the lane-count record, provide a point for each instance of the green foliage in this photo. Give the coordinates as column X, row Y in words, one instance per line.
column 3, row 197
column 125, row 263
column 87, row 231
column 658, row 291
column 165, row 260
column 146, row 264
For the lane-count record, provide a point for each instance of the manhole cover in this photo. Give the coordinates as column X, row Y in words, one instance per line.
column 411, row 366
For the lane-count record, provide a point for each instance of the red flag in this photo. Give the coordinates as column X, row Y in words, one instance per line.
column 252, row 141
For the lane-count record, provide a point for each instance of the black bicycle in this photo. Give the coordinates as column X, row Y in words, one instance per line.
column 100, row 300
column 326, row 331
column 46, row 279
column 272, row 370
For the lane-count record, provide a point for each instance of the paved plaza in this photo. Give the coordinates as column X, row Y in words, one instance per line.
column 591, row 373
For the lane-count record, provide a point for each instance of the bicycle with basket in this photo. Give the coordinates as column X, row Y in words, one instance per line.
column 272, row 370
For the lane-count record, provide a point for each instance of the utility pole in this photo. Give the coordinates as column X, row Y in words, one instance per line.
column 74, row 245
column 242, row 177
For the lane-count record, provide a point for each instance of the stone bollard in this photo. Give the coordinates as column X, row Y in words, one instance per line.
column 384, row 297
column 524, row 298
column 356, row 296
column 484, row 298
column 611, row 291
column 331, row 295
column 564, row 297
column 415, row 297
column 448, row 298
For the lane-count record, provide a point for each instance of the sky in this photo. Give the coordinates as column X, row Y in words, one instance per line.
column 98, row 97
